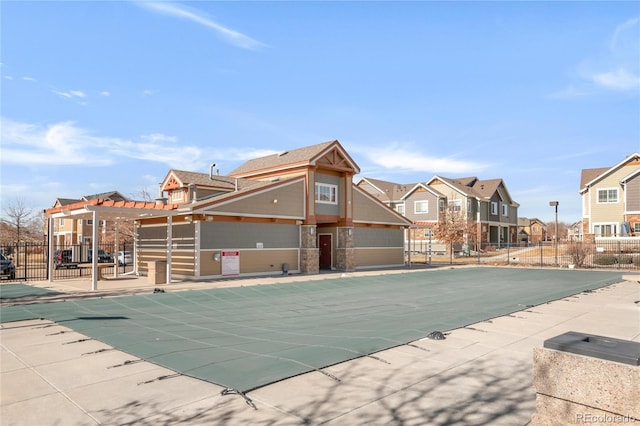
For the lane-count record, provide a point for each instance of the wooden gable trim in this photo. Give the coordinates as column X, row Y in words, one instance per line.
column 335, row 158
column 171, row 182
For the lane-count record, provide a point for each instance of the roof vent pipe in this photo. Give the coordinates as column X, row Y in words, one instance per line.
column 236, row 184
column 211, row 170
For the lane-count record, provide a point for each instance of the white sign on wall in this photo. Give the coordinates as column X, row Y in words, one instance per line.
column 230, row 262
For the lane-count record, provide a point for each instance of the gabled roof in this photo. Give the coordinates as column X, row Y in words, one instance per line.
column 457, row 184
column 110, row 195
column 416, row 186
column 388, row 192
column 330, row 154
column 65, row 201
column 181, row 179
column 474, row 187
column 589, row 177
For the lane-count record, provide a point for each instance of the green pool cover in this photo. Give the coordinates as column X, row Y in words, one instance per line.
column 243, row 338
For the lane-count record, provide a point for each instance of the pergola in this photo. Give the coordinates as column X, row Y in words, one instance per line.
column 98, row 209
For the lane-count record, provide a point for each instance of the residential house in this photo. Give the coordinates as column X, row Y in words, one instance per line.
column 295, row 211
column 611, row 200
column 70, row 231
column 531, row 231
column 485, row 203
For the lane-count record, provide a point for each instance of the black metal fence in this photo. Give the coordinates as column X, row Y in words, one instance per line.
column 29, row 262
column 623, row 254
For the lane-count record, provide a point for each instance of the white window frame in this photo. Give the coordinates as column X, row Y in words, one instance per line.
column 321, row 192
column 494, row 208
column 609, row 191
column 597, row 229
column 177, row 196
column 424, row 203
column 400, row 208
column 505, row 209
column 428, row 232
column 455, row 205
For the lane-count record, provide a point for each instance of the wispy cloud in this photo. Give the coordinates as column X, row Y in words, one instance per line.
column 232, row 37
column 620, row 79
column 149, row 92
column 616, row 69
column 571, row 92
column 65, row 143
column 105, row 93
column 409, row 158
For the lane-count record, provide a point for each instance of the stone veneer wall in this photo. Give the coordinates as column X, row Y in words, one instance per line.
column 309, row 252
column 345, row 259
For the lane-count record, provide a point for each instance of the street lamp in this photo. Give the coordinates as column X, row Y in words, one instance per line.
column 555, row 204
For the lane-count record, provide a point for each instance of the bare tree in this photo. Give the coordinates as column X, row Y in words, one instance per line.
column 18, row 222
column 454, row 226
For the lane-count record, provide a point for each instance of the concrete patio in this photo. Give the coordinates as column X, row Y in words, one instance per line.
column 480, row 374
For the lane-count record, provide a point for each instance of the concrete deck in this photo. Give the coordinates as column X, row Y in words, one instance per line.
column 481, row 374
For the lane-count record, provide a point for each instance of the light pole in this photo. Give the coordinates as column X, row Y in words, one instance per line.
column 555, row 204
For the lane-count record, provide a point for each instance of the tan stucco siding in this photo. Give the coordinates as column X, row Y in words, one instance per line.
column 376, row 256
column 431, row 215
column 366, row 210
column 609, row 212
column 251, row 261
column 285, row 201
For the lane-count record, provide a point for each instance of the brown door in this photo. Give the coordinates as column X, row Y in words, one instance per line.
column 324, row 242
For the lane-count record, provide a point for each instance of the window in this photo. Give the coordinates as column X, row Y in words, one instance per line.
column 326, row 194
column 428, row 232
column 455, row 205
column 636, row 227
column 494, row 208
column 400, row 208
column 605, row 230
column 607, row 195
column 177, row 196
column 421, row 207
column 505, row 210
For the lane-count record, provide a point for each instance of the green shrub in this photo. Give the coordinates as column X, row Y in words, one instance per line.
column 604, row 259
column 625, row 259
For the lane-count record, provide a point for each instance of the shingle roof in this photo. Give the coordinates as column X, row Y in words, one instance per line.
column 66, row 201
column 110, row 195
column 203, row 179
column 299, row 156
column 588, row 175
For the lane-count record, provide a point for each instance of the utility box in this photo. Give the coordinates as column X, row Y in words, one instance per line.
column 157, row 272
column 583, row 378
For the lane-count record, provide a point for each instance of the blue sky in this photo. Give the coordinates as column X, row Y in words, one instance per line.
column 100, row 96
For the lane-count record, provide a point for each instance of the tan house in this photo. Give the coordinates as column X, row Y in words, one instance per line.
column 531, row 230
column 70, row 231
column 487, row 203
column 611, row 200
column 295, row 211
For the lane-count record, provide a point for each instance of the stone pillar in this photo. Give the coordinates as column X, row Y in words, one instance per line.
column 309, row 253
column 574, row 388
column 345, row 259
